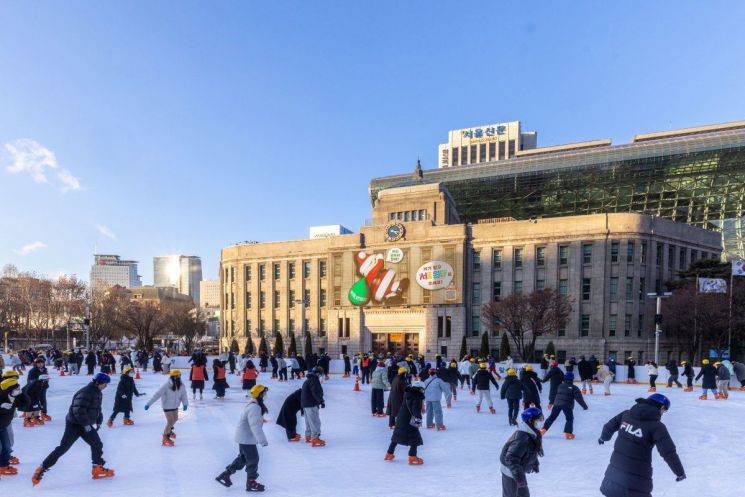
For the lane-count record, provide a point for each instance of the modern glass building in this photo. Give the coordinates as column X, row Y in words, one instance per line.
column 692, row 175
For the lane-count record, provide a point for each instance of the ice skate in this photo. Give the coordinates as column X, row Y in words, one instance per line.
column 128, row 422
column 99, row 472
column 584, row 391
column 110, row 423
column 27, row 423
column 172, row 435
column 591, row 392
column 702, row 397
column 652, row 390
column 46, row 417
column 254, row 486
column 224, row 479
column 38, row 475
column 606, row 394
column 14, row 461
column 569, row 436
column 550, row 406
column 415, row 461
column 296, row 438
column 8, row 471
column 317, row 442
column 38, row 421
column 441, row 428
column 167, row 442
column 478, row 408
column 492, row 410
column 429, row 427
column 389, row 457
column 307, row 439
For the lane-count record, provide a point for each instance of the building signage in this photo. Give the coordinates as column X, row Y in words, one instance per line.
column 394, row 255
column 434, row 275
column 476, row 133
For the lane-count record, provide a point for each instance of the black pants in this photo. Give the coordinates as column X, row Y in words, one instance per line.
column 43, row 401
column 568, row 413
column 509, row 488
column 283, row 374
column 365, row 375
column 376, row 401
column 274, row 372
column 392, row 449
column 513, row 407
column 612, row 489
column 71, row 435
column 689, row 381
column 652, row 380
column 551, row 396
column 291, row 432
column 219, row 391
column 126, row 411
column 90, row 369
column 673, row 379
column 248, row 457
column 464, row 378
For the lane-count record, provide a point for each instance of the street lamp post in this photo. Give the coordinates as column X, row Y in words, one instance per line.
column 658, row 322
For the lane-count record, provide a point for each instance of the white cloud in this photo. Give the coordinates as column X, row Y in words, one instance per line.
column 30, row 247
column 29, row 156
column 106, row 231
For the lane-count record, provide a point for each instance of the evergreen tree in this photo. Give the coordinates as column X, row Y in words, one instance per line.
column 263, row 347
column 234, row 346
column 293, row 346
column 504, row 348
column 279, row 345
column 550, row 349
column 249, row 345
column 485, row 344
column 308, row 345
column 463, row 350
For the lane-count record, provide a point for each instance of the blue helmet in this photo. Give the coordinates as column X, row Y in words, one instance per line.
column 102, row 378
column 569, row 376
column 531, row 414
column 661, row 400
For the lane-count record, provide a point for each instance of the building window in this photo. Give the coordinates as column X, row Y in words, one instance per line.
column 440, row 326
column 511, row 148
column 540, row 256
column 448, row 326
column 642, row 288
column 658, row 286
column 640, row 328
column 291, row 299
column 306, row 326
column 476, row 293
column 422, row 214
column 540, row 284
column 482, row 152
column 463, row 155
column 322, row 298
column 306, row 297
column 518, row 256
column 658, row 255
column 563, row 255
column 587, row 253
column 562, row 332
column 248, row 327
column 306, row 269
column 291, row 270
column 518, row 287
column 391, row 216
column 322, row 327
column 262, row 272
column 248, row 273
column 341, row 328
column 322, row 268
column 262, row 327
column 613, row 289
column 585, row 329
column 627, row 326
column 275, row 269
column 262, row 299
column 694, row 255
column 347, row 327
column 337, row 295
column 670, row 256
column 475, row 325
column 276, row 299
column 586, row 288
column 629, row 288
column 643, row 253
column 476, row 261
column 249, row 301
column 407, row 216
column 473, row 154
column 232, row 300
column 564, row 288
column 290, row 327
column 454, row 153
column 497, row 259
column 496, row 291
column 682, row 259
column 614, row 248
column 501, row 150
column 492, row 151
column 630, row 252
column 612, row 323
column 232, row 275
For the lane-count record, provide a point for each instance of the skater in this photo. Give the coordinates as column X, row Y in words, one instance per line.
column 35, row 390
column 250, row 373
column 630, row 371
column 379, row 385
column 347, row 366
column 287, row 418
column 197, row 376
column 453, row 378
column 396, row 397
column 11, row 397
column 281, row 368
column 123, row 399
column 165, row 362
column 611, row 363
column 555, row 376
column 355, row 365
column 311, row 399
column 586, row 372
column 723, row 377
column 248, row 435
column 629, row 472
column 520, row 454
column 39, row 400
column 434, row 390
column 532, row 388
column 739, row 369
column 544, row 366
column 218, row 376
column 408, row 422
column 171, row 394
column 709, row 373
column 653, row 373
column 481, row 382
column 672, row 369
column 604, row 376
column 231, row 361
column 464, row 367
column 90, row 361
column 566, row 396
column 512, row 390
column 83, row 421
column 275, row 366
column 688, row 373
column 365, row 365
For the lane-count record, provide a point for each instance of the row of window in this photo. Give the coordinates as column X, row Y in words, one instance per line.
column 276, row 299
column 417, row 215
column 262, row 330
column 478, row 152
column 276, row 271
column 563, row 288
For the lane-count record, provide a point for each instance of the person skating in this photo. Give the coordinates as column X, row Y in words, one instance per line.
column 630, row 371
column 218, row 376
column 555, row 377
column 453, row 378
column 287, row 417
column 40, row 401
column 481, row 382
column 520, row 454
column 408, row 421
column 672, row 369
column 90, row 362
column 198, row 375
column 249, row 434
column 544, row 366
column 531, row 387
column 82, row 421
column 396, row 397
column 11, row 398
column 311, row 399
column 723, row 377
column 639, row 429
column 653, row 373
column 709, row 374
column 281, row 368
column 125, row 390
column 739, row 369
column 171, row 394
column 688, row 374
column 434, row 390
column 604, row 376
column 473, row 367
column 35, row 390
column 586, row 372
column 512, row 391
column 464, row 367
column 567, row 394
column 379, row 385
column 250, row 373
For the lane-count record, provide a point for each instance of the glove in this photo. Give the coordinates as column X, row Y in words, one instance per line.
column 88, row 428
column 601, row 441
column 323, row 405
column 185, row 407
column 6, row 405
column 147, row 407
column 681, row 478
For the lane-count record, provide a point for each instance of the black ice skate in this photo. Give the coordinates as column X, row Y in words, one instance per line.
column 224, row 479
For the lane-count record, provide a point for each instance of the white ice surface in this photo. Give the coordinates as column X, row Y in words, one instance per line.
column 464, row 460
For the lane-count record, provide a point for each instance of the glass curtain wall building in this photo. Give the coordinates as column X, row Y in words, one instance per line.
column 695, row 176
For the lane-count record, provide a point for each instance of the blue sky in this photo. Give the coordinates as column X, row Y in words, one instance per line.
column 147, row 128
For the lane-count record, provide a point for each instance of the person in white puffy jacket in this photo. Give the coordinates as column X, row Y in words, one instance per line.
column 165, row 363
column 653, row 373
column 464, row 369
column 171, row 394
column 248, row 434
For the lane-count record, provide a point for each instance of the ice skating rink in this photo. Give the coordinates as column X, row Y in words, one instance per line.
column 463, row 460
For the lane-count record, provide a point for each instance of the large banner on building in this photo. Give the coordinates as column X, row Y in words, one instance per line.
column 377, row 284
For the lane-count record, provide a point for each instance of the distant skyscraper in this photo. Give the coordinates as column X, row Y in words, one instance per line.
column 110, row 270
column 209, row 293
column 183, row 272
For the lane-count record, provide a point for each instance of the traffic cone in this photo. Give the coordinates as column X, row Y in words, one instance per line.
column 137, row 374
column 357, row 384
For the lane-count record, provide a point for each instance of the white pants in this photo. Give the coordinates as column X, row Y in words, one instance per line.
column 587, row 383
column 606, row 383
column 484, row 394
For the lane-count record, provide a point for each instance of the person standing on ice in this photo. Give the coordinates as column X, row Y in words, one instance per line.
column 630, row 371
column 311, row 400
column 709, row 374
column 566, row 396
column 688, row 374
column 639, row 429
column 672, row 369
column 512, row 390
column 464, row 367
column 197, row 376
column 586, row 372
column 481, row 382
column 220, row 383
column 653, row 374
column 249, row 434
column 531, row 386
column 250, row 373
column 723, row 377
column 287, row 417
column 380, row 384
column 171, row 394
column 434, row 390
column 11, row 397
column 396, row 397
column 605, row 377
column 123, row 399
column 520, row 454
column 555, row 376
column 83, row 421
column 739, row 370
column 408, row 421
column 544, row 366
column 39, row 400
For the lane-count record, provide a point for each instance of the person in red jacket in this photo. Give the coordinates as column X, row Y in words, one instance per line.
column 250, row 373
column 197, row 375
column 220, row 383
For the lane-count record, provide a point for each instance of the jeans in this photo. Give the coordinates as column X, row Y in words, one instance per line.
column 484, row 394
column 376, row 400
column 248, row 457
column 713, row 390
column 513, row 408
column 673, row 379
column 689, row 381
column 365, row 375
column 355, row 370
column 434, row 410
column 509, row 488
column 312, row 422
column 283, row 374
column 71, row 435
column 652, row 380
column 568, row 413
column 587, row 385
column 6, row 447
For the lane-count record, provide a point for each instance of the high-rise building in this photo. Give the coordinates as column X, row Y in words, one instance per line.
column 109, row 270
column 493, row 142
column 183, row 272
column 209, row 293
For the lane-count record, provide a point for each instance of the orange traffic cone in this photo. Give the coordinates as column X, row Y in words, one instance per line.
column 137, row 374
column 357, row 384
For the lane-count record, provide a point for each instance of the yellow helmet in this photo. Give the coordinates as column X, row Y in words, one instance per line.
column 175, row 373
column 683, row 363
column 8, row 383
column 528, row 368
column 257, row 390
column 127, row 369
column 482, row 365
column 472, row 359
column 11, row 373
column 705, row 361
column 599, row 366
column 717, row 363
column 402, row 370
column 512, row 372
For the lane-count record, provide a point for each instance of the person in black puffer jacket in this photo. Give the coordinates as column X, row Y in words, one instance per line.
column 123, row 399
column 82, row 421
column 406, row 433
column 555, row 376
column 566, row 396
column 639, row 429
column 520, row 454
column 709, row 374
column 287, row 417
column 34, row 373
column 688, row 373
column 512, row 390
column 532, row 387
column 311, row 398
column 672, row 369
column 584, row 368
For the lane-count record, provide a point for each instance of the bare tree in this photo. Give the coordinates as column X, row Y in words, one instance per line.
column 508, row 314
column 186, row 321
column 142, row 320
